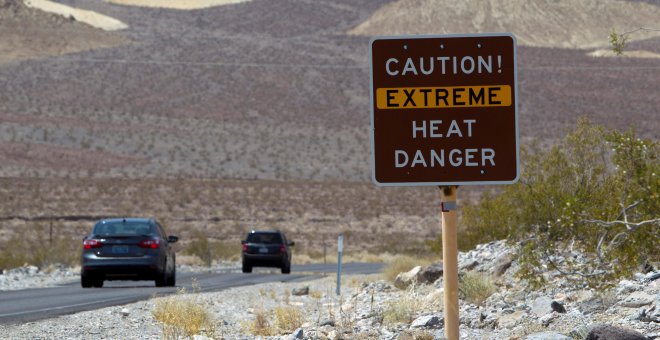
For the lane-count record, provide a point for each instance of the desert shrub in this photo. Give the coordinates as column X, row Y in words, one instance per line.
column 209, row 250
column 288, row 318
column 595, row 193
column 401, row 310
column 35, row 246
column 476, row 287
column 183, row 315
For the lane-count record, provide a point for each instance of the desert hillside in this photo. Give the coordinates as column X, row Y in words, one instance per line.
column 563, row 24
column 271, row 90
column 29, row 32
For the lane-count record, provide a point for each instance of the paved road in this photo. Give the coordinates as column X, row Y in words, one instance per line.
column 33, row 304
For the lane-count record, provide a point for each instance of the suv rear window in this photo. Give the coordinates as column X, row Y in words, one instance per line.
column 267, row 238
column 123, row 228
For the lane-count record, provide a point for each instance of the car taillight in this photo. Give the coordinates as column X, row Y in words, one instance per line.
column 89, row 244
column 245, row 248
column 151, row 244
column 282, row 249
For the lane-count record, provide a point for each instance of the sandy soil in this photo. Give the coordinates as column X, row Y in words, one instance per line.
column 562, row 23
column 176, row 4
column 89, row 17
column 626, row 54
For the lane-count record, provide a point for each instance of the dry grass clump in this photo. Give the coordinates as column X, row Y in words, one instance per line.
column 278, row 321
column 182, row 315
column 402, row 264
column 476, row 287
column 401, row 310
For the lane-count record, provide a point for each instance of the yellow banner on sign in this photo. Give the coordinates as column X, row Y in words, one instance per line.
column 443, row 97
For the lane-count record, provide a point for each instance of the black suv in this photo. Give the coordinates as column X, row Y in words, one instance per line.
column 128, row 249
column 266, row 249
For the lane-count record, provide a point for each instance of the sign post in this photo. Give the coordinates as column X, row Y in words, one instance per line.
column 340, row 250
column 444, row 113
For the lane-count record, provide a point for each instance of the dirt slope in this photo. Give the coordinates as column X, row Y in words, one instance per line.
column 561, row 23
column 29, row 33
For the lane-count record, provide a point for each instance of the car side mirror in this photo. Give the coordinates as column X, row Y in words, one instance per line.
column 291, row 243
column 172, row 239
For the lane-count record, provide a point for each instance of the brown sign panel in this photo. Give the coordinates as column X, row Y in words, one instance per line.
column 444, row 110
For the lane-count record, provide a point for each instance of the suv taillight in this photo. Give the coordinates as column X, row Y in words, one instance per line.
column 151, row 244
column 89, row 244
column 282, row 248
column 245, row 248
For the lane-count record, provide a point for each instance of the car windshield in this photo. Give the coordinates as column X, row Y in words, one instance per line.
column 269, row 238
column 123, row 228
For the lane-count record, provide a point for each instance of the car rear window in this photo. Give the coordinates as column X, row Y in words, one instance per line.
column 123, row 228
column 264, row 238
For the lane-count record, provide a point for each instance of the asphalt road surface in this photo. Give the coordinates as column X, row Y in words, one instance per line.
column 34, row 304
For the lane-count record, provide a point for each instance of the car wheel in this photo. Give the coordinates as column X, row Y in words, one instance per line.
column 97, row 282
column 247, row 268
column 86, row 281
column 171, row 279
column 286, row 269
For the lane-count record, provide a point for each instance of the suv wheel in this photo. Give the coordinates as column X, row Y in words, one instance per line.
column 97, row 282
column 247, row 268
column 286, row 269
column 171, row 278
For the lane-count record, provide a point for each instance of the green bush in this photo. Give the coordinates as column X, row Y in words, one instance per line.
column 573, row 196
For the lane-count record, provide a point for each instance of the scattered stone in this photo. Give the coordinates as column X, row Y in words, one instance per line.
column 608, row 332
column 580, row 332
column 547, row 319
column 430, row 274
column 300, row 291
column 125, row 312
column 327, row 322
column 403, row 280
column 636, row 300
column 502, row 264
column 542, row 306
column 547, row 336
column 297, row 334
column 652, row 276
column 558, row 307
column 627, row 287
column 428, row 321
column 201, row 337
column 511, row 320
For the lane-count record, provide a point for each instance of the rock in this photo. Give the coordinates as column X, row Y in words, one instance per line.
column 430, row 274
column 201, row 337
column 297, row 334
column 542, row 306
column 327, row 322
column 580, row 332
column 468, row 265
column 627, row 287
column 403, row 280
column 428, row 321
column 300, row 291
column 332, row 335
column 607, row 332
column 125, row 312
column 557, row 307
column 547, row 319
column 547, row 336
column 593, row 305
column 636, row 300
column 652, row 276
column 511, row 320
column 502, row 263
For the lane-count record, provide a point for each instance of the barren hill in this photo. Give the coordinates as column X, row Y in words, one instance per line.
column 266, row 89
column 28, row 33
column 563, row 23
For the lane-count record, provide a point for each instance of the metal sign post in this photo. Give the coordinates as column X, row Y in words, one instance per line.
column 340, row 249
column 450, row 260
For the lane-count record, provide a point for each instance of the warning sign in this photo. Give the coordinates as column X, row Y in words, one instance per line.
column 444, row 110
